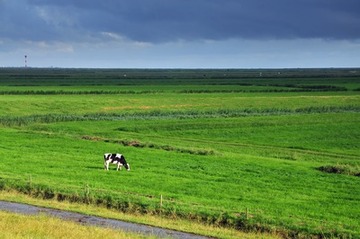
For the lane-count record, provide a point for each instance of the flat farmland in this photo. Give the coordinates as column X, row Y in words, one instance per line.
column 277, row 153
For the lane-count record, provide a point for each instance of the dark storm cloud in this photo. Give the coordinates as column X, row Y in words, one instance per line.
column 17, row 21
column 171, row 20
column 20, row 20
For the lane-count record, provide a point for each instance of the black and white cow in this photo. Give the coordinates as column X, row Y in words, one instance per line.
column 117, row 159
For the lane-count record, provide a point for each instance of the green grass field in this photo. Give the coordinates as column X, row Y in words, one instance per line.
column 278, row 153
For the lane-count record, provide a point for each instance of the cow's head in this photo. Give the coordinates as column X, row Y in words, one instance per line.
column 127, row 166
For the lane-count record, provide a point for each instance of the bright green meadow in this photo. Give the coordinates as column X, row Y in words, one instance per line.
column 272, row 152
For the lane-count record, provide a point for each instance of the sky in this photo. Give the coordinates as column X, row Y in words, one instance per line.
column 180, row 33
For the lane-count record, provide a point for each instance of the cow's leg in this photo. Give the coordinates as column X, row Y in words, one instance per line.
column 119, row 166
column 106, row 165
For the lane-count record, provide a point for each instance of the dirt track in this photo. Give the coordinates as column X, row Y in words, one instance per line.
column 96, row 221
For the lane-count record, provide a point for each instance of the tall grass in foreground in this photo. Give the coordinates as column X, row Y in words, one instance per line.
column 13, row 226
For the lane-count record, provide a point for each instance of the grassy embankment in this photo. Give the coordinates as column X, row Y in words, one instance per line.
column 277, row 155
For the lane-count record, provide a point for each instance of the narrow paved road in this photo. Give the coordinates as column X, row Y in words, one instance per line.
column 96, row 221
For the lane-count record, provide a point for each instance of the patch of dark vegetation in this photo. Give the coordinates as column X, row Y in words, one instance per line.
column 92, row 138
column 353, row 170
column 310, row 87
column 138, row 144
column 78, row 77
column 322, row 87
column 263, row 88
column 89, row 92
column 277, row 88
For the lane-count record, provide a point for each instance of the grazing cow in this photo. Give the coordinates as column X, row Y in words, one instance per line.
column 117, row 159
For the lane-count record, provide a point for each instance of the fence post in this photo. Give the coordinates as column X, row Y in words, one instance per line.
column 30, row 181
column 87, row 193
column 30, row 184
